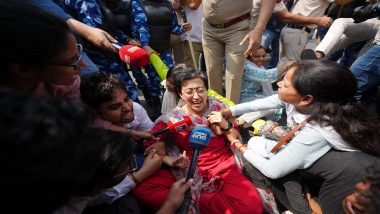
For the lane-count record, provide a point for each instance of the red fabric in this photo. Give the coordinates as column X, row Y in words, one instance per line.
column 134, row 56
column 237, row 195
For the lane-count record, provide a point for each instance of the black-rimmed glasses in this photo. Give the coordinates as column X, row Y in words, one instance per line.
column 77, row 61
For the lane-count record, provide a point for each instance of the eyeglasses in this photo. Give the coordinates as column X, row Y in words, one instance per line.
column 190, row 91
column 77, row 61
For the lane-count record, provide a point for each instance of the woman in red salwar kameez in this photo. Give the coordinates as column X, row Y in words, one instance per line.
column 224, row 189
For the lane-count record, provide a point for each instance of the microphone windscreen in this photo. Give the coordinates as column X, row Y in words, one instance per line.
column 199, row 137
column 159, row 66
column 134, row 56
column 179, row 124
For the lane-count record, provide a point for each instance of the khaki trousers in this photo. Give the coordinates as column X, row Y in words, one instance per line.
column 222, row 45
column 197, row 46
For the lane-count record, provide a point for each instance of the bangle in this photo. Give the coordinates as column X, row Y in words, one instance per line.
column 135, row 179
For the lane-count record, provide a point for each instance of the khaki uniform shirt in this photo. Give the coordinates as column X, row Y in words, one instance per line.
column 219, row 11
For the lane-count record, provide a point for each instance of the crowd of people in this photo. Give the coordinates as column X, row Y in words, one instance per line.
column 78, row 138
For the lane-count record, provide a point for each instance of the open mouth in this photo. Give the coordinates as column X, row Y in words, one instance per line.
column 128, row 117
column 196, row 102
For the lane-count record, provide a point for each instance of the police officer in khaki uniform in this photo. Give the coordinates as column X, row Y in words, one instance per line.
column 227, row 38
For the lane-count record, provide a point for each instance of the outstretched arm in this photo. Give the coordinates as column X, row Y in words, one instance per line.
column 254, row 36
column 288, row 17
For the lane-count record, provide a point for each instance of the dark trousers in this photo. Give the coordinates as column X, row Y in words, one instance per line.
column 125, row 205
column 287, row 190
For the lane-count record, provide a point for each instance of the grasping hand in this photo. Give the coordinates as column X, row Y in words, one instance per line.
column 101, row 39
column 187, row 26
column 182, row 161
column 158, row 147
column 150, row 51
column 325, row 21
column 227, row 113
column 134, row 42
column 142, row 135
column 254, row 40
column 217, row 117
column 151, row 164
column 176, row 196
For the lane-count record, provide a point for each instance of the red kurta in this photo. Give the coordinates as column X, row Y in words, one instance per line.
column 236, row 195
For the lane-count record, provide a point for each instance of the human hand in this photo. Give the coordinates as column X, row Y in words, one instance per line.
column 134, row 42
column 101, row 39
column 324, row 21
column 187, row 26
column 217, row 117
column 142, row 135
column 254, row 41
column 226, row 113
column 182, row 161
column 216, row 129
column 151, row 164
column 150, row 51
column 176, row 196
column 158, row 147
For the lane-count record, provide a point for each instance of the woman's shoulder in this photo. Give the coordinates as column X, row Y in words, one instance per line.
column 309, row 135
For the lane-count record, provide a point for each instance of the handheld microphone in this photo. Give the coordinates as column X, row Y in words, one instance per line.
column 132, row 55
column 183, row 13
column 199, row 138
column 177, row 124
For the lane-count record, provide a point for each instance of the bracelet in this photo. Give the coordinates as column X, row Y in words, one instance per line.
column 134, row 178
column 128, row 131
column 229, row 126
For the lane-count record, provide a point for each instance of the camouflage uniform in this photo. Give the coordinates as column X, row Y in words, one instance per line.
column 140, row 30
column 88, row 12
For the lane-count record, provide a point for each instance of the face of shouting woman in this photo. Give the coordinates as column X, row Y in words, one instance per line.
column 288, row 93
column 119, row 110
column 194, row 93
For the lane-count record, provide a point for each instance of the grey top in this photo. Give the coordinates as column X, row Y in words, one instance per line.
column 308, row 145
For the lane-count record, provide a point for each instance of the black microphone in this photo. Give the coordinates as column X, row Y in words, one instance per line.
column 199, row 138
column 183, row 13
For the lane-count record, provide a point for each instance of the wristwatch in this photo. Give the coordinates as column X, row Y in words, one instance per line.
column 228, row 127
column 128, row 132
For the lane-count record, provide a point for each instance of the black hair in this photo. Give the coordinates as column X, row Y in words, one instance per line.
column 333, row 87
column 258, row 48
column 30, row 36
column 116, row 157
column 97, row 88
column 371, row 200
column 47, row 153
column 170, row 73
column 183, row 73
